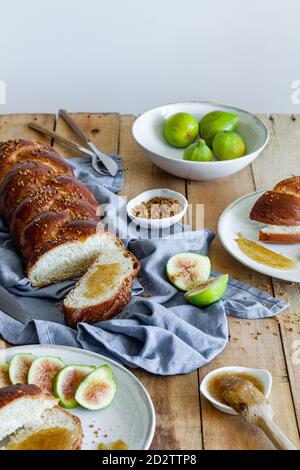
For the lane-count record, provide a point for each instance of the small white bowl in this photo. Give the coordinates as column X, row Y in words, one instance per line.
column 262, row 374
column 147, row 130
column 157, row 223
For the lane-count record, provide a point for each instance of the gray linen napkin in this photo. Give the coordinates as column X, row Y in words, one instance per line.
column 158, row 330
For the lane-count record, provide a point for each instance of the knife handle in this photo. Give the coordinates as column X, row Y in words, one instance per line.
column 65, row 142
column 76, row 128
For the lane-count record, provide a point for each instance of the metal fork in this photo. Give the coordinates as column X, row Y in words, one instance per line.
column 110, row 165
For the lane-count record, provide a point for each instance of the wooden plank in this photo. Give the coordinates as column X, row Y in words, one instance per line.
column 176, row 399
column 102, row 129
column 253, row 343
column 283, row 158
column 14, row 126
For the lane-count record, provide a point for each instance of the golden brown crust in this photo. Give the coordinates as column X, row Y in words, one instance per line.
column 40, row 198
column 276, row 208
column 21, row 150
column 43, row 202
column 289, row 186
column 9, row 394
column 268, row 237
column 105, row 310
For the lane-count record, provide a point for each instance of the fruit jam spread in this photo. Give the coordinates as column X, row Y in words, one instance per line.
column 216, row 391
column 102, row 279
column 263, row 255
column 46, row 439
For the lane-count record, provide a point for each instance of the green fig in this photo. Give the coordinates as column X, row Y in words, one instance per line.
column 198, row 152
column 228, row 145
column 208, row 292
column 181, row 129
column 215, row 122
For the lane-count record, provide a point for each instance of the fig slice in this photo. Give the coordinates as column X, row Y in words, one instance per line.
column 98, row 390
column 19, row 367
column 186, row 270
column 43, row 370
column 208, row 292
column 66, row 382
column 4, row 375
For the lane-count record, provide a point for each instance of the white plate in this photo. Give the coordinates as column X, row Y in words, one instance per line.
column 236, row 219
column 130, row 417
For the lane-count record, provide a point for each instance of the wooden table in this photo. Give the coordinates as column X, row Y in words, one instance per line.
column 184, row 419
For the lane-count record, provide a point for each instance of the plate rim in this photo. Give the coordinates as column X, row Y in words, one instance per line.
column 261, row 270
column 149, row 438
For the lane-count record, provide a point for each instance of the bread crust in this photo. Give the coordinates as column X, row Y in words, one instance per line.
column 289, row 186
column 108, row 309
column 21, row 150
column 282, row 238
column 276, row 208
column 14, row 392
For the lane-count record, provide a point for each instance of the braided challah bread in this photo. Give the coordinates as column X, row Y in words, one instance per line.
column 52, row 215
column 280, row 210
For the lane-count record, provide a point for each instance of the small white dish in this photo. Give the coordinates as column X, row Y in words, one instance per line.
column 157, row 223
column 262, row 374
column 147, row 131
column 235, row 219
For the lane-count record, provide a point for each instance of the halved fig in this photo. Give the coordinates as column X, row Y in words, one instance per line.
column 186, row 270
column 4, row 375
column 98, row 390
column 208, row 292
column 43, row 370
column 66, row 382
column 19, row 367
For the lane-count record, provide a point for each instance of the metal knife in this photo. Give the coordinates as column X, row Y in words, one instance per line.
column 10, row 306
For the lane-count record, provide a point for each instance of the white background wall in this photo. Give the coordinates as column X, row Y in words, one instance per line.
column 130, row 55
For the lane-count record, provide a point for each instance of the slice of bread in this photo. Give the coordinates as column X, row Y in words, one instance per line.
column 104, row 290
column 65, row 259
column 21, row 405
column 57, row 420
column 280, row 234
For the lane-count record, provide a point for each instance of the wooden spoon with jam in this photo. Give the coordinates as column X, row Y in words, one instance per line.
column 251, row 404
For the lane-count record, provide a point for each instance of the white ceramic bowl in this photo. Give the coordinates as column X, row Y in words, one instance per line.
column 157, row 223
column 262, row 374
column 147, row 130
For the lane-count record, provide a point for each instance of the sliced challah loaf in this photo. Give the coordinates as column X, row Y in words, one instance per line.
column 55, row 225
column 280, row 210
column 104, row 290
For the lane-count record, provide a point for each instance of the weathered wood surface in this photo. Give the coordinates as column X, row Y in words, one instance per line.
column 184, row 419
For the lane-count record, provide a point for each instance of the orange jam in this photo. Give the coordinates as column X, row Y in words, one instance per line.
column 46, row 439
column 102, row 279
column 117, row 445
column 263, row 255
